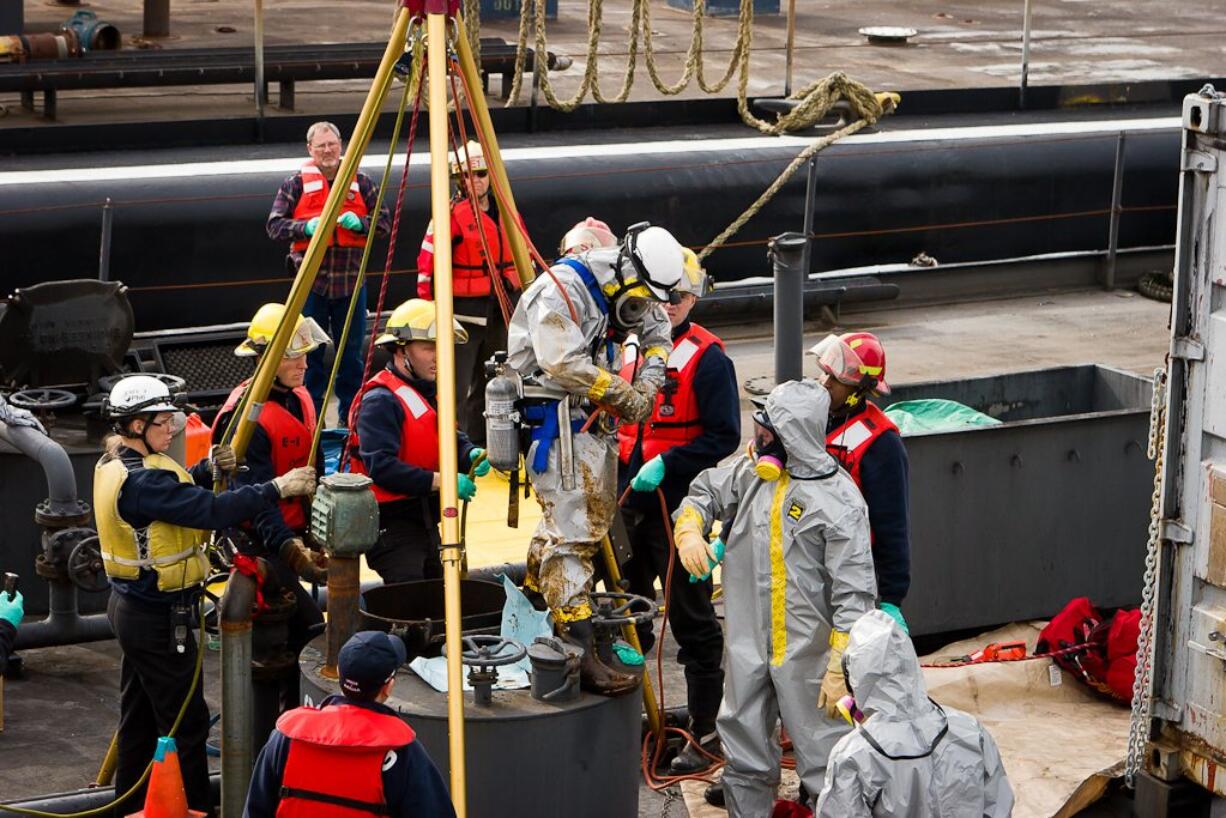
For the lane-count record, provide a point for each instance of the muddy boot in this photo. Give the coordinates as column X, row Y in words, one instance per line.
column 690, row 760
column 714, row 794
column 536, row 598
column 594, row 675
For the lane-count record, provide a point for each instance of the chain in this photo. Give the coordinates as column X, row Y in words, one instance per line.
column 1138, row 728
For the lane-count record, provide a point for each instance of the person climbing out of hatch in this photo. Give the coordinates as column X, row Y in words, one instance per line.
column 280, row 441
column 353, row 755
column 586, row 235
column 907, row 756
column 476, row 279
column 695, row 423
column 393, row 438
column 868, row 445
column 798, row 573
column 153, row 519
column 563, row 342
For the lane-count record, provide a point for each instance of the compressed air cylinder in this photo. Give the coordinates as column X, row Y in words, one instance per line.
column 501, row 432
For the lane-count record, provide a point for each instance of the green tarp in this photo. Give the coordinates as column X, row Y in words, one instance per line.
column 935, row 415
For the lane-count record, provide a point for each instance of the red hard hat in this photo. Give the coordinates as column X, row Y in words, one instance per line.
column 872, row 357
column 855, row 359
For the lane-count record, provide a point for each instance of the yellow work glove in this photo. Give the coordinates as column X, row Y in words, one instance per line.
column 834, row 686
column 695, row 552
column 222, row 456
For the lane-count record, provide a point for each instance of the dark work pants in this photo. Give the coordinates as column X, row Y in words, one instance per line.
column 330, row 314
column 407, row 548
column 470, row 358
column 153, row 682
column 691, row 617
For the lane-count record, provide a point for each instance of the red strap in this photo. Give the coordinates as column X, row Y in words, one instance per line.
column 250, row 567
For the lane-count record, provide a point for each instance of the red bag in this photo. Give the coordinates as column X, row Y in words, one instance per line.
column 1109, row 662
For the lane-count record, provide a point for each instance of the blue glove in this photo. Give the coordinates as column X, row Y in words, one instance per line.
column 896, row 615
column 466, row 488
column 350, row 221
column 649, row 477
column 482, row 468
column 12, row 611
column 719, row 547
column 311, row 227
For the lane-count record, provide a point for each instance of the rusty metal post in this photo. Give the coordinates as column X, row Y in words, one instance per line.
column 237, row 746
column 1117, row 194
column 157, row 18
column 344, row 586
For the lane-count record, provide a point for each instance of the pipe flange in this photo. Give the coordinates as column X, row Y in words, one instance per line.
column 50, row 571
column 78, row 515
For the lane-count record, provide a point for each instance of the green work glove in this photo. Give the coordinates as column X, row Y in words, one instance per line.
column 896, row 615
column 719, row 547
column 483, row 467
column 626, row 654
column 12, row 611
column 350, row 221
column 311, row 227
column 466, row 488
column 649, row 477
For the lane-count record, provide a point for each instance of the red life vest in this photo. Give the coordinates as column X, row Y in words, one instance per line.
column 418, row 431
column 334, row 768
column 289, row 437
column 675, row 420
column 849, row 442
column 470, row 273
column 315, row 187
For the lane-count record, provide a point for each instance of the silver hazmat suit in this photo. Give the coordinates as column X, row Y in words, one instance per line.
column 798, row 563
column 568, row 357
column 944, row 765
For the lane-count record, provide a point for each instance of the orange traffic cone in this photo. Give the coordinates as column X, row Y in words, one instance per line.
column 166, row 797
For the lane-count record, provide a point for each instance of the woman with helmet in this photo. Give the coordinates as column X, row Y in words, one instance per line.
column 563, row 341
column 394, row 438
column 867, row 444
column 154, row 519
column 281, row 440
column 473, row 277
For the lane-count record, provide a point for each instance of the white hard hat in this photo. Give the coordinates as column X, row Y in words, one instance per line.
column 470, row 154
column 586, row 235
column 136, row 395
column 657, row 258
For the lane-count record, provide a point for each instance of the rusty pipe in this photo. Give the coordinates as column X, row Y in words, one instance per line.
column 234, row 615
column 344, row 586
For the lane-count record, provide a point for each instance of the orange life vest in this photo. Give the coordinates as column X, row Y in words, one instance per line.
column 418, row 430
column 315, row 187
column 334, row 767
column 470, row 273
column 849, row 442
column 675, row 421
column 289, row 437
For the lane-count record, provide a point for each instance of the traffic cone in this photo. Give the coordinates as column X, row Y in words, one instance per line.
column 166, row 797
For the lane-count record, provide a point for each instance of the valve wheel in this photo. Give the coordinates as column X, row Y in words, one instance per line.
column 611, row 609
column 42, row 400
column 85, row 567
column 490, row 650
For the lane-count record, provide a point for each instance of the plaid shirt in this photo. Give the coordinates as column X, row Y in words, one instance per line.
column 338, row 271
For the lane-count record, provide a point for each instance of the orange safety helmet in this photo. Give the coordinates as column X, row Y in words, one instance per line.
column 855, row 359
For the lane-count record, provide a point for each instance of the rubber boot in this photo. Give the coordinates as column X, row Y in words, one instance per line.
column 594, row 675
column 714, row 794
column 690, row 760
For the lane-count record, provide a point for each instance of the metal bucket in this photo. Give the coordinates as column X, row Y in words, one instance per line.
column 414, row 611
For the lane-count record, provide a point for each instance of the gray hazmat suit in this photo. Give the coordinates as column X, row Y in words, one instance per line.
column 944, row 765
column 798, row 563
column 568, row 357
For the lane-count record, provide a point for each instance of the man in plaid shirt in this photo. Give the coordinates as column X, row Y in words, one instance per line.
column 295, row 218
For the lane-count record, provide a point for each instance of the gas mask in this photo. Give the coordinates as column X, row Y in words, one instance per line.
column 770, row 457
column 634, row 289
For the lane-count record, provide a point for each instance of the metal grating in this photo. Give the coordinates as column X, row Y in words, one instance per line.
column 210, row 368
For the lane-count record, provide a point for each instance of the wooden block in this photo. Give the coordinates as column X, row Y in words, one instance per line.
column 1215, row 571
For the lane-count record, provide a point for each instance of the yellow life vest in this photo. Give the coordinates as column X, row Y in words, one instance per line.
column 174, row 552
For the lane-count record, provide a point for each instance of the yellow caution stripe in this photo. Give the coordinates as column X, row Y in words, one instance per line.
column 779, row 575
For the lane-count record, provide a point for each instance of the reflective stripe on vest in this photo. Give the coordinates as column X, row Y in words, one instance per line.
column 315, row 187
column 289, row 440
column 471, row 273
column 175, row 553
column 849, row 442
column 418, row 430
column 334, row 767
column 676, row 419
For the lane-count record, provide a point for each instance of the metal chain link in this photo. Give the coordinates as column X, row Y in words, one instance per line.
column 1138, row 728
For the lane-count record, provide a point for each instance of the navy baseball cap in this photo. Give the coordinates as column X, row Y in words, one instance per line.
column 368, row 660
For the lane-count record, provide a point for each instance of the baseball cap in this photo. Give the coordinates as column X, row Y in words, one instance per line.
column 368, row 660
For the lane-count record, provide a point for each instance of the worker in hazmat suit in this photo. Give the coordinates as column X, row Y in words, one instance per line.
column 564, row 343
column 798, row 573
column 908, row 755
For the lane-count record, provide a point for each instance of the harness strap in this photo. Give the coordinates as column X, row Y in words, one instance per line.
column 543, row 417
column 336, row 800
column 589, row 281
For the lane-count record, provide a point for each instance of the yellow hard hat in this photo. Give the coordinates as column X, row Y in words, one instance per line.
column 307, row 336
column 471, row 153
column 695, row 280
column 414, row 321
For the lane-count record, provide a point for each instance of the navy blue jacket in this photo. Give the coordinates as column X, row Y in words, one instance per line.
column 412, row 785
column 719, row 408
column 379, row 421
column 884, row 484
column 157, row 494
column 269, row 530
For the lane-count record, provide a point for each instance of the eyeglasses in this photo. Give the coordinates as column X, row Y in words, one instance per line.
column 326, row 146
column 480, row 174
